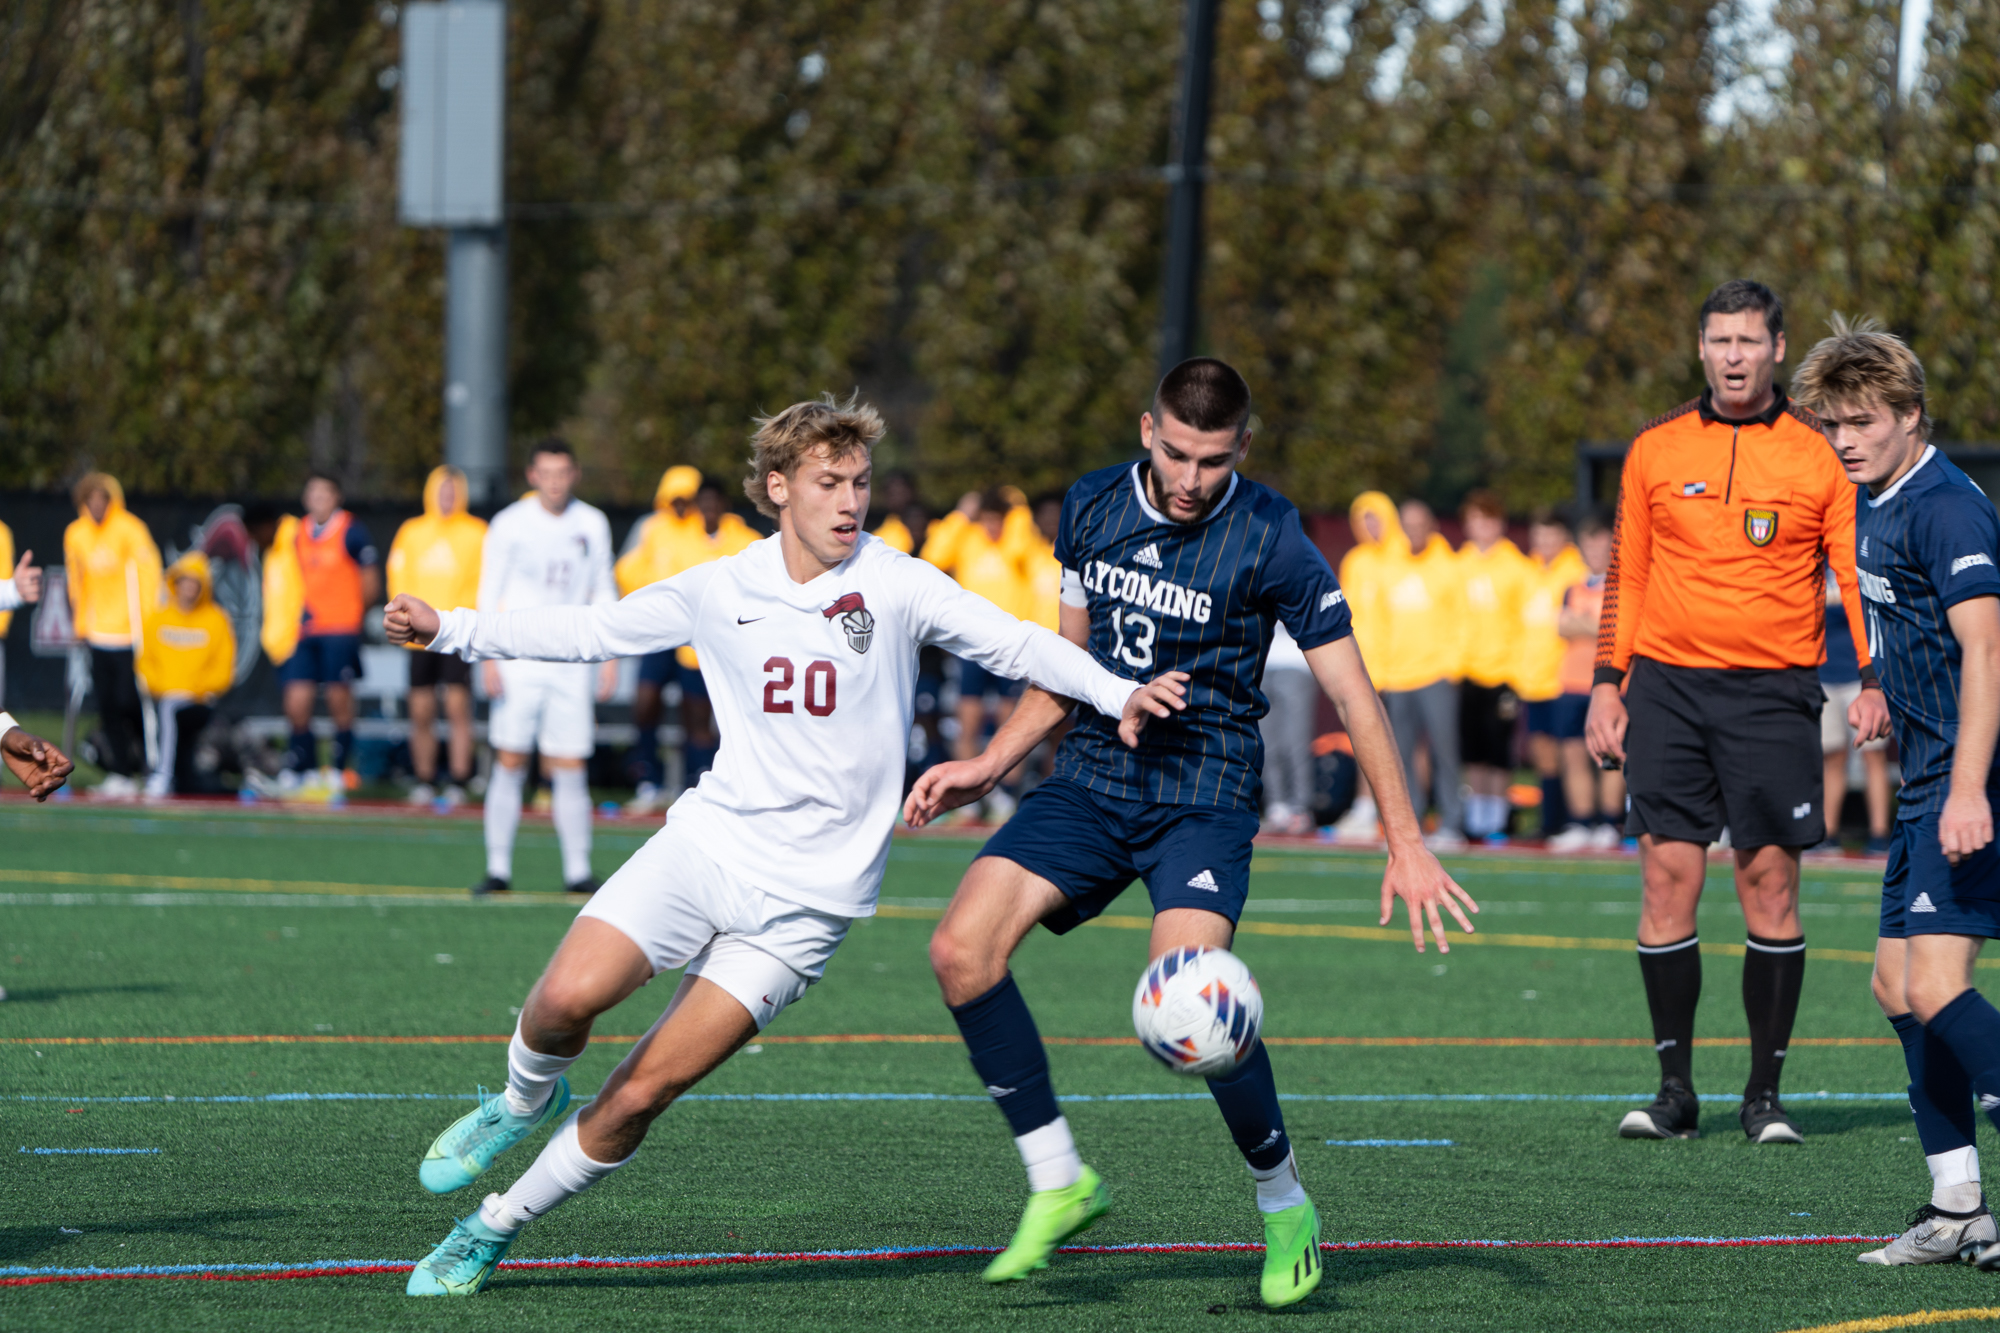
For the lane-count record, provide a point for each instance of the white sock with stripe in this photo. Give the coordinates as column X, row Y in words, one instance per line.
column 564, row 1169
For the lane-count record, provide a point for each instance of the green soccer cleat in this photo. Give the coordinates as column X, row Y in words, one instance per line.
column 462, row 1153
column 1053, row 1216
column 464, row 1263
column 1292, row 1261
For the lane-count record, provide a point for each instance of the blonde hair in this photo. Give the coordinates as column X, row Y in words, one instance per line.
column 1860, row 361
column 785, row 439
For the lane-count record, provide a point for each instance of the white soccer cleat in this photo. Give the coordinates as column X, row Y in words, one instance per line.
column 1575, row 838
column 1606, row 838
column 1935, row 1237
column 422, row 794
column 648, row 800
column 1358, row 825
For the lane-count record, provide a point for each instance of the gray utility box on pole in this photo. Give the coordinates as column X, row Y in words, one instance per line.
column 452, row 175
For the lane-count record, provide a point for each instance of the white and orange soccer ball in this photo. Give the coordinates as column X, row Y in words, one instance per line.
column 1198, row 1011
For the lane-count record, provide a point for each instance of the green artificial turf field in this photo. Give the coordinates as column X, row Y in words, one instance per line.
column 128, row 923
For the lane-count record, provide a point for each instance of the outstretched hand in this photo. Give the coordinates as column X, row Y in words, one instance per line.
column 947, row 786
column 1163, row 697
column 409, row 620
column 41, row 767
column 1415, row 876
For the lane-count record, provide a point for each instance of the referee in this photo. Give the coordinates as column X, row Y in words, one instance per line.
column 1732, row 507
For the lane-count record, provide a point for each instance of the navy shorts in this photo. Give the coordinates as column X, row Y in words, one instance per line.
column 663, row 669
column 1092, row 847
column 324, row 659
column 976, row 682
column 1561, row 717
column 1924, row 894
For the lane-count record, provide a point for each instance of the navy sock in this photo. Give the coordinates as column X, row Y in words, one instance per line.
column 1555, row 807
column 1773, row 972
column 1007, row 1054
column 343, row 748
column 1940, row 1092
column 1970, row 1027
column 1672, row 973
column 1249, row 1102
column 303, row 753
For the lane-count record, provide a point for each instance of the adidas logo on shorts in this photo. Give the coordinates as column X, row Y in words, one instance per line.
column 1205, row 880
column 1801, row 811
column 1923, row 904
column 1149, row 556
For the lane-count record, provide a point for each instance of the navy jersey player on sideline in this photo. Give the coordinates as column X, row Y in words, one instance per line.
column 1177, row 565
column 1926, row 540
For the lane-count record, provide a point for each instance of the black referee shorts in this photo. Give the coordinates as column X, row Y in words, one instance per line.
column 1708, row 748
column 432, row 669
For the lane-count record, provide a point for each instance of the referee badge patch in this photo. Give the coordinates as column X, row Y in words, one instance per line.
column 1760, row 525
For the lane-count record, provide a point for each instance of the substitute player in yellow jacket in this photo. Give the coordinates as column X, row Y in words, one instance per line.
column 1554, row 568
column 187, row 657
column 1379, row 545
column 113, row 571
column 1496, row 584
column 435, row 557
column 1424, row 597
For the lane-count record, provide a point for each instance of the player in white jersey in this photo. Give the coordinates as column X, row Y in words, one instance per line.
column 546, row 549
column 809, row 640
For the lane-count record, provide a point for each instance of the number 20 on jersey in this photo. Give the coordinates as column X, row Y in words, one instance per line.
column 817, row 691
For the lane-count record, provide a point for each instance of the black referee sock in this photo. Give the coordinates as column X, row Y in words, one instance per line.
column 1673, row 989
column 1556, row 814
column 1773, row 971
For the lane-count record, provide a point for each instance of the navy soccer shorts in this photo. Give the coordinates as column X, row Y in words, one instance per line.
column 976, row 682
column 1092, row 847
column 324, row 659
column 1924, row 894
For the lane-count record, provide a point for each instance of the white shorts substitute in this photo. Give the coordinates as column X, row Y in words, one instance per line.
column 546, row 706
column 680, row 907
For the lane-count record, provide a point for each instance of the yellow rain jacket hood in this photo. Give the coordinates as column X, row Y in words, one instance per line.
column 654, row 550
column 284, row 593
column 190, row 652
column 436, row 556
column 110, row 565
column 1363, row 572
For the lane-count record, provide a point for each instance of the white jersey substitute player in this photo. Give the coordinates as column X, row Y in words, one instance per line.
column 809, row 640
column 546, row 549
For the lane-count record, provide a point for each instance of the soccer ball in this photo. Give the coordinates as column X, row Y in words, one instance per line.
column 1198, row 1011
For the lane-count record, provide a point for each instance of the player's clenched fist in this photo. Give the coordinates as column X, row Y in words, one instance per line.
column 408, row 620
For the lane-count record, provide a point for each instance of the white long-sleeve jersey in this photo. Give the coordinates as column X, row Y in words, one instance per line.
column 10, row 596
column 814, row 688
column 534, row 559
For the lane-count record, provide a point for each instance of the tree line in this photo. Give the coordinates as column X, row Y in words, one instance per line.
column 1443, row 249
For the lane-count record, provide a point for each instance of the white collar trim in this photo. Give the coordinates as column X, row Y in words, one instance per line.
column 1877, row 501
column 1139, row 489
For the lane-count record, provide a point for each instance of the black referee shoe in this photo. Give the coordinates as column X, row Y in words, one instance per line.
column 1674, row 1114
column 1765, row 1121
column 586, row 887
column 491, row 884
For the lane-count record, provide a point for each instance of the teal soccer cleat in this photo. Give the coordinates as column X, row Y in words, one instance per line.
column 462, row 1153
column 464, row 1263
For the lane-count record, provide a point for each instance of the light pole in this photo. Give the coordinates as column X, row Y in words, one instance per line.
column 1186, row 172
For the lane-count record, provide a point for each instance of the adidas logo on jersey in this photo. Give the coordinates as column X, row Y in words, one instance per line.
column 1149, row 556
column 1205, row 880
column 1923, row 904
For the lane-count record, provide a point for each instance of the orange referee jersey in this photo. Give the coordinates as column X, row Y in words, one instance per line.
column 1725, row 530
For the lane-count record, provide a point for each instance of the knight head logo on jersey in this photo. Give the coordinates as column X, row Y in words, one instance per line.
column 1760, row 525
column 856, row 621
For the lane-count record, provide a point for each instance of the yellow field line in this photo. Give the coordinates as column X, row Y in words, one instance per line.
column 1880, row 1323
column 880, row 1038
column 216, row 884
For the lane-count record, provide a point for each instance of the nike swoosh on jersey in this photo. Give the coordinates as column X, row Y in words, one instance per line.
column 750, row 621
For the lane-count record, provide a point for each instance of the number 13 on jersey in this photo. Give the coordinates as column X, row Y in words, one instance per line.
column 1139, row 652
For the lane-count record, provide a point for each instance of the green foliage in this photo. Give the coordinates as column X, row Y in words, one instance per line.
column 1444, row 249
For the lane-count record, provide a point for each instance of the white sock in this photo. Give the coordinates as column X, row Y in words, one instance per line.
column 1955, row 1179
column 1049, row 1153
column 1279, row 1187
column 503, row 816
column 562, row 1170
column 531, row 1076
column 570, row 804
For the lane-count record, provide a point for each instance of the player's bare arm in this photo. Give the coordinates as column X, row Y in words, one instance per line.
column 1413, row 874
column 1966, row 824
column 40, row 766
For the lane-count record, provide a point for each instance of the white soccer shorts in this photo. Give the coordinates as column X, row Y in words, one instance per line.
column 681, row 908
column 546, row 706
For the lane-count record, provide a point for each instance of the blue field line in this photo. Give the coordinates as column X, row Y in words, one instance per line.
column 1338, row 1098
column 1390, row 1143
column 88, row 1152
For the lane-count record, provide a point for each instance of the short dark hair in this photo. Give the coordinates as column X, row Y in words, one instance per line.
column 710, row 486
column 993, row 500
column 1205, row 393
column 327, row 477
column 551, row 444
column 1548, row 516
column 1740, row 294
column 1483, row 501
column 1591, row 524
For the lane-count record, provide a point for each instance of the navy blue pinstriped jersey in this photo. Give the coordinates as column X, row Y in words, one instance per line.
column 1923, row 546
column 1194, row 597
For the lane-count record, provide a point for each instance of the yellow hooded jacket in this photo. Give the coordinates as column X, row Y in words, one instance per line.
column 284, row 594
column 6, row 572
column 101, row 559
column 436, row 557
column 696, row 545
column 895, row 533
column 189, row 652
column 653, row 548
column 1537, row 674
column 996, row 570
column 1496, row 584
column 1423, row 596
column 1364, row 573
